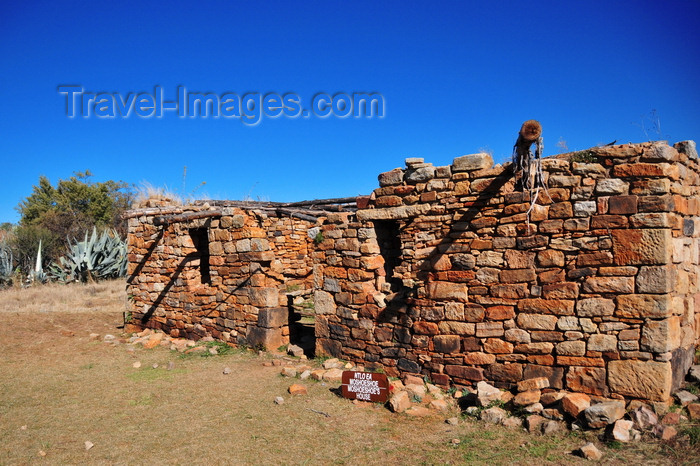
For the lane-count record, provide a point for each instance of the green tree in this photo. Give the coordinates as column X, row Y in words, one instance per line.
column 53, row 214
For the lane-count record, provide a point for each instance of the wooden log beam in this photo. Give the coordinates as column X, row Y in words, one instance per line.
column 297, row 214
column 150, row 212
column 186, row 217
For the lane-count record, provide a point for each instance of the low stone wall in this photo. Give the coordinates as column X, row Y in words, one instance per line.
column 453, row 273
column 225, row 276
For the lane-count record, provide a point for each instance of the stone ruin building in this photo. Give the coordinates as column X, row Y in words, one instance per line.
column 451, row 272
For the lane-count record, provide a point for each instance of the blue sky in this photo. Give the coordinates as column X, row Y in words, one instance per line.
column 456, row 77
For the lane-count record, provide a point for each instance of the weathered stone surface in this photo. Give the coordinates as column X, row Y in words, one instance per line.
column 640, row 379
column 487, row 393
column 399, row 402
column 447, row 343
column 609, row 285
column 656, row 279
column 611, row 186
column 595, row 307
column 589, row 380
column 571, row 348
column 333, row 375
column 554, row 374
column 591, row 452
column 600, row 342
column 643, row 306
column 472, row 162
column 297, row 389
column 478, row 358
column 575, row 403
column 693, row 411
column 537, row 321
column 684, row 397
column 621, row 431
column 391, row 178
column 393, row 213
column 664, row 432
column 534, row 423
column 420, row 175
column 536, row 383
column 527, row 397
column 660, row 336
column 448, row 290
column 494, row 415
column 513, row 422
column 601, row 414
column 640, row 247
column 497, row 346
column 644, row 418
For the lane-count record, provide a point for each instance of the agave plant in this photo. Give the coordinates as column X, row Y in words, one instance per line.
column 6, row 262
column 38, row 273
column 97, row 257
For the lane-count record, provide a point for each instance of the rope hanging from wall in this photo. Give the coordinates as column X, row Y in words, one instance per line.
column 528, row 165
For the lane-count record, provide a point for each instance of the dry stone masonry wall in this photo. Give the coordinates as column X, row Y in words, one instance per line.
column 226, row 275
column 453, row 273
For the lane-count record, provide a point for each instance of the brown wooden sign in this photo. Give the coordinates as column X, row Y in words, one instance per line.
column 365, row 386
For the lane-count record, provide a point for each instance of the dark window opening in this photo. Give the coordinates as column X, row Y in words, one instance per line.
column 200, row 238
column 389, row 241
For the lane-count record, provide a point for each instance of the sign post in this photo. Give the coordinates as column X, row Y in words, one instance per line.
column 365, row 386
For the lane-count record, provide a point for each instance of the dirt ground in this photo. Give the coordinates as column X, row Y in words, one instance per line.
column 59, row 389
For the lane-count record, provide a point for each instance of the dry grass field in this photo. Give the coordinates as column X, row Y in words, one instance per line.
column 60, row 389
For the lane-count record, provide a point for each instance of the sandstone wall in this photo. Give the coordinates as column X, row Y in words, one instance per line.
column 224, row 276
column 452, row 272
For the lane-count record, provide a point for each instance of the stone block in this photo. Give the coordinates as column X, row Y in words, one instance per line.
column 603, row 414
column 497, row 346
column 263, row 297
column 656, row 279
column 509, row 373
column 611, row 187
column 420, row 175
column 464, row 372
column 622, row 205
column 584, row 208
column 273, row 317
column 636, row 306
column 609, row 221
column 546, row 306
column 595, row 307
column 571, row 348
column 642, row 247
column 590, row 380
column 535, row 383
column 479, row 359
column 537, row 321
column 526, row 398
column 472, row 162
column 425, row 328
column 391, row 178
column 554, row 374
column 447, row 290
column 609, row 284
column 457, row 328
column 601, row 342
column 447, row 343
column 575, row 403
column 661, row 336
column 268, row 338
column 489, row 329
column 640, row 379
column 550, row 258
